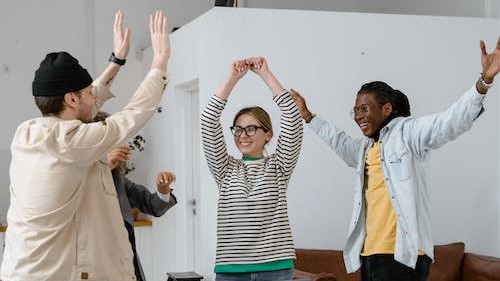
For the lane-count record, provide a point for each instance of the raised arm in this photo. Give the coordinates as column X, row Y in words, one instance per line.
column 121, row 46
column 433, row 131
column 212, row 135
column 341, row 143
column 291, row 128
column 238, row 69
column 88, row 142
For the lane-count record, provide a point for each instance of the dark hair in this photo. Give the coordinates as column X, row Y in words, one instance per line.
column 50, row 105
column 401, row 104
column 258, row 113
column 386, row 94
column 101, row 116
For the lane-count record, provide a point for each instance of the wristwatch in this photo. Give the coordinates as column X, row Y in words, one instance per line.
column 116, row 60
column 483, row 83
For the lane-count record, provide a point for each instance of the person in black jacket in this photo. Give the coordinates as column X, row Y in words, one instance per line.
column 131, row 195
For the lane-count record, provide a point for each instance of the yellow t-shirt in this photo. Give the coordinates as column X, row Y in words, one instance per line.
column 380, row 218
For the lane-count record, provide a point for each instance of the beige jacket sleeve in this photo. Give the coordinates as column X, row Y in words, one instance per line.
column 86, row 143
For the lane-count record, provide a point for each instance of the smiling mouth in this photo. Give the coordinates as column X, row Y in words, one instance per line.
column 363, row 125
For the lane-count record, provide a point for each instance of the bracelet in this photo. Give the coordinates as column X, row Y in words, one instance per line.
column 483, row 83
column 308, row 120
column 116, row 60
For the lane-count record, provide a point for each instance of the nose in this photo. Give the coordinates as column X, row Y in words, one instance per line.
column 358, row 116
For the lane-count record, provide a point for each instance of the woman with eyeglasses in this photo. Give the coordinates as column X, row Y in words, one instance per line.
column 254, row 240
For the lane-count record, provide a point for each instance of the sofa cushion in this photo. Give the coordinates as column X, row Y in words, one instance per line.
column 447, row 264
column 480, row 268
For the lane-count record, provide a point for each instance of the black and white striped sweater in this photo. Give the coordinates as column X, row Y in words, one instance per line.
column 252, row 217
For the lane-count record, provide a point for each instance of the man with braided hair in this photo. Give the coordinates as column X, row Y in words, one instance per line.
column 390, row 235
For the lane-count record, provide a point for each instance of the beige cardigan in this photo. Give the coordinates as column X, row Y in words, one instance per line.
column 64, row 220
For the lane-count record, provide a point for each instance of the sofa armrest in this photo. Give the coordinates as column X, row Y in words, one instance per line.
column 447, row 264
column 480, row 268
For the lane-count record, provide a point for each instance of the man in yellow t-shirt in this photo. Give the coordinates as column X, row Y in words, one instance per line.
column 390, row 236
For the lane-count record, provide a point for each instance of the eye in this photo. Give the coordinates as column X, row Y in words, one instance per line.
column 251, row 129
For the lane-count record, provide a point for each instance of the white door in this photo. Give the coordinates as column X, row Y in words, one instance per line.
column 1, row 246
column 188, row 102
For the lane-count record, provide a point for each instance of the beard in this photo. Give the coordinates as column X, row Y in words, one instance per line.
column 87, row 115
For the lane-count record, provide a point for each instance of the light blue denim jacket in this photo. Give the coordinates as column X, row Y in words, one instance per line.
column 404, row 146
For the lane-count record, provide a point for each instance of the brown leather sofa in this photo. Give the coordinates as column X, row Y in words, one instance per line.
column 451, row 264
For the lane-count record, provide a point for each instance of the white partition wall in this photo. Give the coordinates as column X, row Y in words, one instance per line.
column 327, row 56
column 24, row 45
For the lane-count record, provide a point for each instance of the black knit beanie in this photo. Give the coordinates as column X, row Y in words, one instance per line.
column 58, row 74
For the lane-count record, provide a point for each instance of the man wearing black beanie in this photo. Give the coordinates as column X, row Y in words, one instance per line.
column 64, row 221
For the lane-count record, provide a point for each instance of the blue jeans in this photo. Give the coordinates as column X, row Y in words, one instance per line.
column 275, row 275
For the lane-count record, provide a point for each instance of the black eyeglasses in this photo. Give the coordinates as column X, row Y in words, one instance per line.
column 362, row 110
column 250, row 130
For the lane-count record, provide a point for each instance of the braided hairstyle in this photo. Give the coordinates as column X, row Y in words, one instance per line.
column 384, row 93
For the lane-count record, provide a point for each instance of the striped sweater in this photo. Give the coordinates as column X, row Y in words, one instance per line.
column 252, row 217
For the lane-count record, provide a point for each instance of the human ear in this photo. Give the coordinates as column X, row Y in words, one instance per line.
column 268, row 136
column 387, row 109
column 71, row 99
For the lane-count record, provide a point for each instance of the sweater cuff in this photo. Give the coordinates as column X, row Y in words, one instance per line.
column 279, row 96
column 164, row 197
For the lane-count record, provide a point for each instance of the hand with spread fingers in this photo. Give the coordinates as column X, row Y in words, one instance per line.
column 164, row 180
column 121, row 37
column 160, row 41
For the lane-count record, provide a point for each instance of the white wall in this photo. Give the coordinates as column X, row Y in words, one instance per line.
column 26, row 37
column 137, row 19
column 327, row 61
